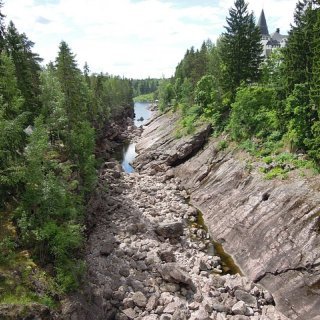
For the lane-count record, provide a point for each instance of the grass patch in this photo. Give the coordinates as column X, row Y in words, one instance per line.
column 22, row 282
column 222, row 145
column 277, row 172
column 149, row 97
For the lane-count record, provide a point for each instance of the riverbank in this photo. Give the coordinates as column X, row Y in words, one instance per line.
column 271, row 228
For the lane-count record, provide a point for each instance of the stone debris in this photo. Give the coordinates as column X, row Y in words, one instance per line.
column 146, row 260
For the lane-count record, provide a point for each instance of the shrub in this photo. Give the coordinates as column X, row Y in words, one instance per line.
column 252, row 113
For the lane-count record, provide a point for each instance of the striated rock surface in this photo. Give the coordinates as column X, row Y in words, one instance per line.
column 271, row 228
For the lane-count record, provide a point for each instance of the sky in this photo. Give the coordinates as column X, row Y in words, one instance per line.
column 131, row 38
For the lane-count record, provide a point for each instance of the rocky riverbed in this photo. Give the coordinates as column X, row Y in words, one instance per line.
column 146, row 260
column 271, row 227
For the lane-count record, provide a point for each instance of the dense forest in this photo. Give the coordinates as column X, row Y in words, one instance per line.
column 144, row 86
column 50, row 120
column 263, row 104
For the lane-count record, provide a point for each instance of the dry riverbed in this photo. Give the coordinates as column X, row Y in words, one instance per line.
column 146, row 261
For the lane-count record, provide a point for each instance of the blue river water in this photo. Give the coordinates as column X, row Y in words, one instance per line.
column 128, row 152
column 141, row 111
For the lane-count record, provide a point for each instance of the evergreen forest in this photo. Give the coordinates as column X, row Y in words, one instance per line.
column 51, row 119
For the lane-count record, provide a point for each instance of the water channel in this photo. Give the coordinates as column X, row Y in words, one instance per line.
column 127, row 152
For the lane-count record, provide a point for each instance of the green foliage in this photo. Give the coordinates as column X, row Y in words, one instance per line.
column 241, row 48
column 7, row 249
column 188, row 122
column 148, row 97
column 48, row 120
column 27, row 68
column 165, row 94
column 82, row 151
column 299, row 53
column 252, row 113
column 52, row 100
column 276, row 172
column 143, row 87
column 222, row 145
column 301, row 116
column 208, row 96
column 12, row 122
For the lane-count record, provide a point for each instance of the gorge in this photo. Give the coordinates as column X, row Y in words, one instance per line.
column 148, row 258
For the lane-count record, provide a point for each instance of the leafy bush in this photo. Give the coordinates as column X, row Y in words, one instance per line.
column 223, row 144
column 276, row 173
column 7, row 249
column 252, row 113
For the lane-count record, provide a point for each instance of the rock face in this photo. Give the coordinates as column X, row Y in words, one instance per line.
column 271, row 228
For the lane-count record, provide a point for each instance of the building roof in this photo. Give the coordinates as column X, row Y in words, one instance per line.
column 277, row 36
column 262, row 24
column 273, row 43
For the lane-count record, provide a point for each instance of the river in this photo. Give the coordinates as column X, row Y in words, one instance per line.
column 127, row 153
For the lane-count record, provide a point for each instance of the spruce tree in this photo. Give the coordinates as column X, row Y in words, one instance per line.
column 2, row 28
column 69, row 77
column 12, row 123
column 241, row 48
column 27, row 68
column 298, row 54
column 52, row 101
column 301, row 60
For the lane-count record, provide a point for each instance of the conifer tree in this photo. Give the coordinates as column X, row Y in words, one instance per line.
column 241, row 52
column 52, row 101
column 298, row 54
column 27, row 68
column 69, row 77
column 12, row 123
column 2, row 28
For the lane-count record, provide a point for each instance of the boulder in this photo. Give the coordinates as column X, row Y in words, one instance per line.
column 130, row 313
column 139, row 299
column 247, row 298
column 107, row 249
column 170, row 230
column 167, row 256
column 239, row 308
column 173, row 273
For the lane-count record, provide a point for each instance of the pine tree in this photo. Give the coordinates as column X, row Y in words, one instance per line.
column 241, row 48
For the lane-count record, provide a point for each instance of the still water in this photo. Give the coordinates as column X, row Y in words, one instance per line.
column 141, row 111
column 128, row 151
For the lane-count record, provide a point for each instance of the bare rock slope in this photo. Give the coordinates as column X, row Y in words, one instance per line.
column 271, row 228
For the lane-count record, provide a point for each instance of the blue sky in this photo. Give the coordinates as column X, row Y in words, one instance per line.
column 132, row 38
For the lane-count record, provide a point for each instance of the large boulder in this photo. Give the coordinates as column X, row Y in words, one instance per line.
column 170, row 230
column 173, row 273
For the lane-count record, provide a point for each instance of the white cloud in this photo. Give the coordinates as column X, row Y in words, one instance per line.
column 131, row 38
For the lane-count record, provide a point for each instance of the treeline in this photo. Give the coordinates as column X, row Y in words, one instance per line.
column 50, row 119
column 144, row 86
column 268, row 102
